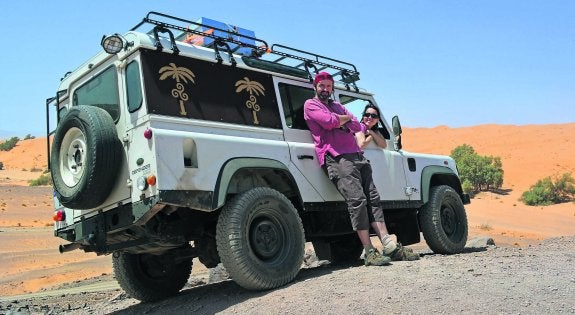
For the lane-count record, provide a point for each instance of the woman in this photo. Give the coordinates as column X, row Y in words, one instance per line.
column 370, row 118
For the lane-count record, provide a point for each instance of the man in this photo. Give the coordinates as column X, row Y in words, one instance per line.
column 333, row 130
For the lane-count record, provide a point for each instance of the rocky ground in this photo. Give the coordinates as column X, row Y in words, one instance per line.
column 536, row 279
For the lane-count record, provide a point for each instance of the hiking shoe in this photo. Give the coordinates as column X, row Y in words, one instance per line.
column 407, row 249
column 374, row 258
column 402, row 253
column 389, row 248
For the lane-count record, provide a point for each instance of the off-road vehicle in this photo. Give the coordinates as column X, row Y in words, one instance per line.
column 186, row 139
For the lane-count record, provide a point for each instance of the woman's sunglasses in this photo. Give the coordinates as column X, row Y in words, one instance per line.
column 374, row 116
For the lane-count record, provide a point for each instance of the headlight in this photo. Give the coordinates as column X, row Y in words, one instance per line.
column 112, row 44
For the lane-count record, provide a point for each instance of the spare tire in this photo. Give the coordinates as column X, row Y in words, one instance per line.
column 86, row 156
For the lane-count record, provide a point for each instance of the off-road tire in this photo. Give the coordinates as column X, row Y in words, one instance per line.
column 86, row 156
column 148, row 277
column 443, row 221
column 260, row 239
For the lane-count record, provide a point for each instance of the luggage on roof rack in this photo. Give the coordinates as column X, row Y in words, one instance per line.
column 256, row 52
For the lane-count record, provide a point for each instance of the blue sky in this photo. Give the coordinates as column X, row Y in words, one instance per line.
column 454, row 63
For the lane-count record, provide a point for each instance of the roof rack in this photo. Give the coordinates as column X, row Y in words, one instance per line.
column 275, row 58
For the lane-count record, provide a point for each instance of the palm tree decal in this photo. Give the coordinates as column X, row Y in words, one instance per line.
column 179, row 74
column 252, row 87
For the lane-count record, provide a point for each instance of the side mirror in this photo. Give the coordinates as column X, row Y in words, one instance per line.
column 396, row 125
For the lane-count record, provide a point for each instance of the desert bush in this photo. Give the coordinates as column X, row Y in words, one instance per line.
column 9, row 144
column 1, row 165
column 477, row 173
column 43, row 180
column 467, row 187
column 35, row 169
column 29, row 136
column 547, row 191
column 486, row 226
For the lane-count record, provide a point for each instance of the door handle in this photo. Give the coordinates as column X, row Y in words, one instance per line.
column 304, row 157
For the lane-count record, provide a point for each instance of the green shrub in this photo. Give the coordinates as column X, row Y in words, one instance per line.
column 565, row 188
column 29, row 136
column 467, row 187
column 9, row 144
column 547, row 192
column 43, row 180
column 477, row 173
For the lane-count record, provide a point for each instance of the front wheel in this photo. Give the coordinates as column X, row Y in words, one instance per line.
column 443, row 221
column 260, row 239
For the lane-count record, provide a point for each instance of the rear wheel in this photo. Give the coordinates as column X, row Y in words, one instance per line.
column 260, row 239
column 148, row 277
column 443, row 221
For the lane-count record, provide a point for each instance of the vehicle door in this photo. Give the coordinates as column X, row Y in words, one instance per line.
column 293, row 95
column 387, row 164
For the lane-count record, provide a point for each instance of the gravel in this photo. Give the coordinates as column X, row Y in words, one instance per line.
column 483, row 279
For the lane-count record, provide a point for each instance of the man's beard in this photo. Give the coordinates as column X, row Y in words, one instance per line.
column 323, row 96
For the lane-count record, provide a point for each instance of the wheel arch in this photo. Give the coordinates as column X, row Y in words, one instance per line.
column 241, row 174
column 435, row 175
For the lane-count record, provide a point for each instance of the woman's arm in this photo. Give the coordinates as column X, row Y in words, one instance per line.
column 362, row 139
column 378, row 138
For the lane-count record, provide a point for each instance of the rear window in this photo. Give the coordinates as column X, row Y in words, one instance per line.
column 101, row 91
column 133, row 86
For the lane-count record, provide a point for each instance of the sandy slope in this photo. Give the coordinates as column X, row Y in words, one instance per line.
column 28, row 249
column 528, row 153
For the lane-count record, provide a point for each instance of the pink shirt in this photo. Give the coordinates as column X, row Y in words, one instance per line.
column 328, row 137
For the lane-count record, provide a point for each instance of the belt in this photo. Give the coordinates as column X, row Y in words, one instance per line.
column 355, row 155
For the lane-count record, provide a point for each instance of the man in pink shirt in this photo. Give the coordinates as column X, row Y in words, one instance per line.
column 333, row 128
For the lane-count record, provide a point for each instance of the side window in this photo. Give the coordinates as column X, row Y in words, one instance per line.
column 293, row 97
column 101, row 91
column 184, row 87
column 356, row 106
column 133, row 86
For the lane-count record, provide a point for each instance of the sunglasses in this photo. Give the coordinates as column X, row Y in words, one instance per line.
column 374, row 116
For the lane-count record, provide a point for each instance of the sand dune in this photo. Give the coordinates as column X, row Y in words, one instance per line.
column 528, row 153
column 24, row 162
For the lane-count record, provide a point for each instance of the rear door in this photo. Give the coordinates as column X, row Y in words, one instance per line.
column 293, row 95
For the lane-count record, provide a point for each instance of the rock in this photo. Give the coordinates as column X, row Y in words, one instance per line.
column 218, row 274
column 310, row 260
column 480, row 242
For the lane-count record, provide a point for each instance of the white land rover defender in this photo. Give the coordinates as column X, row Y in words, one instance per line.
column 187, row 139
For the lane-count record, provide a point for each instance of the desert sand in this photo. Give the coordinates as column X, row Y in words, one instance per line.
column 29, row 251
